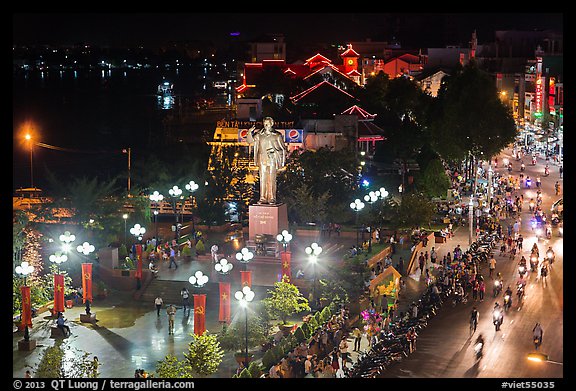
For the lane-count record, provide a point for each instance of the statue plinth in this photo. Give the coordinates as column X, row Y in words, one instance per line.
column 27, row 345
column 267, row 219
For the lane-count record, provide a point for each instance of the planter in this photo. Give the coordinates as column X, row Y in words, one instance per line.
column 69, row 304
column 287, row 328
column 242, row 359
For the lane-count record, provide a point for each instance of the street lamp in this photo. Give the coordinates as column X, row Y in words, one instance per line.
column 541, row 357
column 29, row 138
column 58, row 258
column 198, row 280
column 85, row 248
column 66, row 238
column 244, row 256
column 313, row 251
column 138, row 231
column 223, row 266
column 245, row 296
column 192, row 187
column 125, row 217
column 156, row 197
column 24, row 269
column 357, row 206
column 372, row 197
column 175, row 192
column 285, row 237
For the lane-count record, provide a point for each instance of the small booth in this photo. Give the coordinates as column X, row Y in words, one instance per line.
column 384, row 288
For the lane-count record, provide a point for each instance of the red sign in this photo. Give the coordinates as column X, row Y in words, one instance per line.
column 224, row 313
column 199, row 314
column 58, row 293
column 86, row 282
column 26, row 307
column 246, row 278
column 286, row 273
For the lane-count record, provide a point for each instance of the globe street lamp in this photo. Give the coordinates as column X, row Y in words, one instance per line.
column 85, row 248
column 66, row 238
column 175, row 193
column 245, row 296
column 29, row 138
column 198, row 280
column 223, row 266
column 470, row 218
column 156, row 197
column 244, row 256
column 285, row 237
column 313, row 251
column 357, row 206
column 125, row 217
column 58, row 258
column 372, row 197
column 138, row 231
column 192, row 187
column 24, row 269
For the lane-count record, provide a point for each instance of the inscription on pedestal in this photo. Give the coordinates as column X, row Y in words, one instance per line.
column 267, row 220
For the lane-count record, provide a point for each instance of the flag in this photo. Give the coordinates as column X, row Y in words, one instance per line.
column 58, row 293
column 138, row 273
column 286, row 273
column 86, row 282
column 199, row 314
column 246, row 278
column 224, row 314
column 26, row 307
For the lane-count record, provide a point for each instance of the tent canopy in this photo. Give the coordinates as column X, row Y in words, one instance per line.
column 387, row 281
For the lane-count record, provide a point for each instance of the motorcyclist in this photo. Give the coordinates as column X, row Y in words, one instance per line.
column 531, row 204
column 507, row 301
column 459, row 292
column 479, row 346
column 522, row 166
column 546, row 171
column 550, row 254
column 535, row 250
column 474, row 317
column 528, row 181
column 538, row 333
column 538, row 182
column 497, row 316
column 533, row 262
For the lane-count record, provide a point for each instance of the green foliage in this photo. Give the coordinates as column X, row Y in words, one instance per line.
column 170, row 368
column 325, row 314
column 122, row 251
column 255, row 369
column 54, row 363
column 245, row 373
column 433, row 180
column 306, row 330
column 200, row 248
column 204, row 353
column 415, row 211
column 268, row 359
column 313, row 322
column 299, row 334
column 285, row 300
column 186, row 251
column 233, row 336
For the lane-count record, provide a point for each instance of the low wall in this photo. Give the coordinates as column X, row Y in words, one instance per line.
column 413, row 264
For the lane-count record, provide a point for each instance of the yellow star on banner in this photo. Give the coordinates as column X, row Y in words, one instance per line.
column 199, row 310
column 224, row 296
column 26, row 300
column 286, row 265
column 59, row 288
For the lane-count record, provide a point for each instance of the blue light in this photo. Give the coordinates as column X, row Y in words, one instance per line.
column 365, row 183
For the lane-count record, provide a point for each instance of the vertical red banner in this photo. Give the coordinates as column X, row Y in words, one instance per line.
column 199, row 314
column 26, row 307
column 224, row 314
column 246, row 278
column 286, row 272
column 86, row 282
column 58, row 293
column 138, row 274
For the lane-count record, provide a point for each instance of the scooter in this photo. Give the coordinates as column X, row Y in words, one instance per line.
column 522, row 167
column 537, row 342
column 533, row 263
column 497, row 287
column 507, row 302
column 478, row 351
column 497, row 318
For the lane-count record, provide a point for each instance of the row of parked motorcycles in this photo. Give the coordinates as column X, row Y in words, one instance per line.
column 392, row 346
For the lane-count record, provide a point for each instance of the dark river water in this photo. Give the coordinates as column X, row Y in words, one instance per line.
column 86, row 118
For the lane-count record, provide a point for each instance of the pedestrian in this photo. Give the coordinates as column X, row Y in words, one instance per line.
column 561, row 170
column 172, row 258
column 357, row 338
column 492, row 266
column 60, row 323
column 475, row 288
column 433, row 255
column 544, row 273
column 158, row 302
column 95, row 365
column 28, row 374
column 343, row 347
column 411, row 339
column 481, row 289
column 171, row 311
column 401, row 265
column 185, row 298
column 421, row 262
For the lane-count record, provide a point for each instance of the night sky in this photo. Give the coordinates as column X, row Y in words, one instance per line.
column 152, row 29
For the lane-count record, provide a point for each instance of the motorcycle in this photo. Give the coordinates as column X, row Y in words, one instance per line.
column 522, row 271
column 548, row 232
column 520, row 293
column 533, row 263
column 497, row 287
column 478, row 350
column 537, row 342
column 551, row 256
column 522, row 167
column 528, row 183
column 509, row 167
column 546, row 171
column 533, row 161
column 507, row 302
column 497, row 318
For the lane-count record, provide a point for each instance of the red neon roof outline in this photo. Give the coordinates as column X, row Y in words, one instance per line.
column 302, row 94
column 360, row 112
column 317, row 58
column 350, row 52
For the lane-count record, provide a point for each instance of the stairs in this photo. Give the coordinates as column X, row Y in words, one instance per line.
column 169, row 291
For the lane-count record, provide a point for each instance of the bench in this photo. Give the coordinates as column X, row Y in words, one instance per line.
column 85, row 318
column 55, row 332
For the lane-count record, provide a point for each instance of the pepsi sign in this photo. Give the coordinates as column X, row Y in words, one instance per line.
column 242, row 134
column 293, row 135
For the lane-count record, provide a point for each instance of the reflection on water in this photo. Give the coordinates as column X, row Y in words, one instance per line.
column 120, row 317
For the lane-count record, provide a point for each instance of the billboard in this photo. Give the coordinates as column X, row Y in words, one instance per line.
column 290, row 135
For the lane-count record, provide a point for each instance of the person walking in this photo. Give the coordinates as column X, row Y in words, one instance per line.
column 481, row 289
column 492, row 266
column 172, row 258
column 171, row 311
column 357, row 338
column 185, row 299
column 343, row 347
column 421, row 262
column 411, row 338
column 158, row 302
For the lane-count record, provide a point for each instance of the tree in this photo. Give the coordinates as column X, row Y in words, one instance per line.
column 285, row 300
column 204, row 354
column 433, row 180
column 171, row 367
column 54, row 363
column 415, row 210
column 233, row 336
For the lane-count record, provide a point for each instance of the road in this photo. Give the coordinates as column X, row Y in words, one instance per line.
column 445, row 348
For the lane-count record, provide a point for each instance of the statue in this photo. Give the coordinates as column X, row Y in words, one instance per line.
column 269, row 156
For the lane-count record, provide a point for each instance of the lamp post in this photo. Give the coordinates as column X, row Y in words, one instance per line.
column 223, row 267
column 198, row 280
column 175, row 192
column 244, row 256
column 541, row 357
column 85, row 248
column 357, row 206
column 313, row 251
column 125, row 217
column 66, row 238
column 285, row 237
column 24, row 269
column 58, row 258
column 470, row 218
column 372, row 197
column 29, row 138
column 245, row 296
column 137, row 230
column 156, row 197
column 192, row 187
column 490, row 171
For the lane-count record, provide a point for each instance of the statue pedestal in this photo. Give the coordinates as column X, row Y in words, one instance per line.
column 27, row 345
column 85, row 318
column 267, row 219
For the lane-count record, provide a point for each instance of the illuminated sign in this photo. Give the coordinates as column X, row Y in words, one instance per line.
column 290, row 135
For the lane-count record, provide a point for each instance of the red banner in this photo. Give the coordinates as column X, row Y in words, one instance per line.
column 138, row 274
column 286, row 272
column 26, row 307
column 199, row 314
column 58, row 293
column 246, row 278
column 86, row 282
column 224, row 314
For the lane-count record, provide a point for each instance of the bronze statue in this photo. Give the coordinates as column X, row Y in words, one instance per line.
column 269, row 156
